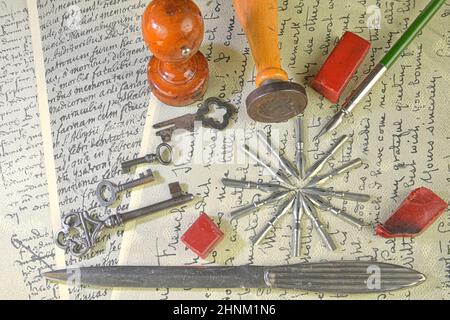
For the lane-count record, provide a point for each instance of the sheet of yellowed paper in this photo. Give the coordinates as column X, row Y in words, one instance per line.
column 400, row 131
column 93, row 59
column 97, row 97
column 74, row 100
column 28, row 217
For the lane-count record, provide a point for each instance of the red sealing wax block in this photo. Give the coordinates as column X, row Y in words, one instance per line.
column 202, row 236
column 340, row 66
column 418, row 211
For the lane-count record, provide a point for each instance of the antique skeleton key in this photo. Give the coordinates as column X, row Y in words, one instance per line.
column 107, row 192
column 163, row 155
column 187, row 121
column 80, row 230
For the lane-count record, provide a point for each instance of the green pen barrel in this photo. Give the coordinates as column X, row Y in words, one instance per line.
column 409, row 35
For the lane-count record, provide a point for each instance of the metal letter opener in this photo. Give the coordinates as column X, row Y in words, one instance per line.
column 80, row 231
column 332, row 277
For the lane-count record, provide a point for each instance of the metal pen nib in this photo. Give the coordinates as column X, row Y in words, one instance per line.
column 332, row 124
column 284, row 163
column 297, row 214
column 281, row 211
column 264, row 187
column 353, row 99
column 300, row 159
column 326, row 206
column 359, row 197
column 240, row 212
column 275, row 174
column 354, row 164
column 316, row 167
column 312, row 215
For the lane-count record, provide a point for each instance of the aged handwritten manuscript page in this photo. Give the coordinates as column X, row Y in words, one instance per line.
column 400, row 131
column 28, row 217
column 81, row 84
column 92, row 98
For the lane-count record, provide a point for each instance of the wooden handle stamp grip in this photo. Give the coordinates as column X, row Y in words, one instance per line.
column 275, row 99
column 259, row 19
column 173, row 31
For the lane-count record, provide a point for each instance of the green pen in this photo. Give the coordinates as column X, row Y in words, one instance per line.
column 385, row 63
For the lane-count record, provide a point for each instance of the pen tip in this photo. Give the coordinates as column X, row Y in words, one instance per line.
column 332, row 124
column 321, row 133
column 57, row 275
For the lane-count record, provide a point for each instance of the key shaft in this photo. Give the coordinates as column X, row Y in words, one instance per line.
column 154, row 208
column 151, row 157
column 108, row 192
column 143, row 179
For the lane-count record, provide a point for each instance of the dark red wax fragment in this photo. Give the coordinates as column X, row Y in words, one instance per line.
column 202, row 236
column 340, row 66
column 418, row 211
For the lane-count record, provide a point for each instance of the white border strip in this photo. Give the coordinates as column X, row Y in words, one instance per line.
column 44, row 116
column 136, row 197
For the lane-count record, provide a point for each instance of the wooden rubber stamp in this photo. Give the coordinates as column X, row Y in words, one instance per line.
column 173, row 31
column 276, row 99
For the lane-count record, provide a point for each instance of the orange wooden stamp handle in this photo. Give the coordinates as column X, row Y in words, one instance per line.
column 259, row 19
column 275, row 99
column 173, row 31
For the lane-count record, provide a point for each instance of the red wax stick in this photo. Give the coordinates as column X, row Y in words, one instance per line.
column 416, row 213
column 202, row 236
column 340, row 66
